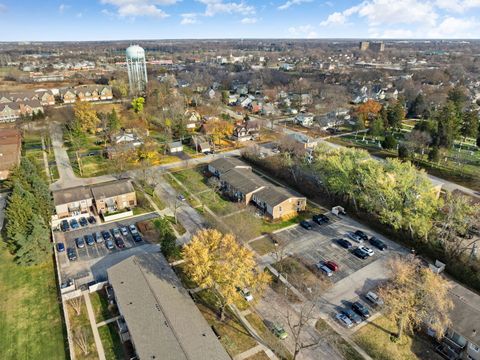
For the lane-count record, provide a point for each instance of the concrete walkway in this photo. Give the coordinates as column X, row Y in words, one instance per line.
column 106, row 322
column 96, row 335
column 248, row 353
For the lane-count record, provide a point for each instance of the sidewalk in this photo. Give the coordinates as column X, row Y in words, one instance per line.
column 96, row 335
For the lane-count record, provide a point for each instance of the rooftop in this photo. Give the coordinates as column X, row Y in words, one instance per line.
column 227, row 163
column 110, row 189
column 465, row 314
column 244, row 180
column 275, row 195
column 71, row 195
column 162, row 319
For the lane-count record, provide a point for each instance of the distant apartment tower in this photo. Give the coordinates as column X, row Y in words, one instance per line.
column 378, row 46
column 364, row 45
column 137, row 69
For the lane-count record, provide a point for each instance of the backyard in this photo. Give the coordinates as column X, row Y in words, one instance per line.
column 31, row 325
column 81, row 330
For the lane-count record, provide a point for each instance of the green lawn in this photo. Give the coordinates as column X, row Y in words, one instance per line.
column 193, row 179
column 111, row 342
column 91, row 165
column 102, row 309
column 263, row 246
column 31, row 325
column 375, row 340
column 347, row 350
column 217, row 204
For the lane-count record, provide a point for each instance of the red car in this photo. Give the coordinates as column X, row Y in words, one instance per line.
column 332, row 265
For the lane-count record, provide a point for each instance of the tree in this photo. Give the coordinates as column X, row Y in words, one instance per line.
column 415, row 296
column 138, row 104
column 369, row 109
column 395, row 115
column 35, row 248
column 113, row 122
column 403, row 152
column 217, row 261
column 218, row 129
column 76, row 305
column 434, row 154
column 448, row 125
column 167, row 238
column 418, row 107
column 456, row 217
column 85, row 116
column 389, row 142
column 81, row 340
column 458, row 97
column 298, row 324
column 119, row 88
column 376, row 127
column 469, row 124
column 418, row 140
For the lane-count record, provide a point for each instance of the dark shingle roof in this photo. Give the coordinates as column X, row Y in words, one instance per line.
column 162, row 319
column 243, row 180
column 71, row 195
column 465, row 314
column 275, row 195
column 111, row 189
column 228, row 163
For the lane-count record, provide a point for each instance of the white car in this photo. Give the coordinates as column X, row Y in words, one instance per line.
column 374, row 298
column 369, row 251
column 133, row 229
column 247, row 295
column 344, row 320
column 124, row 231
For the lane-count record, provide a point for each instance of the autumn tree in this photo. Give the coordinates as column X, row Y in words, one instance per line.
column 86, row 116
column 218, row 129
column 369, row 109
column 119, row 88
column 219, row 262
column 415, row 296
column 138, row 104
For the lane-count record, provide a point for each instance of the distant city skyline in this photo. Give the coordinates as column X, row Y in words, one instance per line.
column 68, row 20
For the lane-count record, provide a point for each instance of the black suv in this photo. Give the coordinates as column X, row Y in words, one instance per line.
column 64, row 226
column 344, row 243
column 72, row 254
column 361, row 235
column 305, row 224
column 379, row 244
column 361, row 309
column 360, row 253
column 320, row 219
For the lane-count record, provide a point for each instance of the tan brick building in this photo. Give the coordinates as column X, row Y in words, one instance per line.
column 10, row 150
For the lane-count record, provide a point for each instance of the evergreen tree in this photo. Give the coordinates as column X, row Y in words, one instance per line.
column 389, row 142
column 469, row 124
column 18, row 213
column 376, row 127
column 113, row 123
column 418, row 106
column 458, row 97
column 395, row 115
column 34, row 249
column 448, row 125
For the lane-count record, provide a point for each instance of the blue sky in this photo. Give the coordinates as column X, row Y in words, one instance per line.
column 23, row 20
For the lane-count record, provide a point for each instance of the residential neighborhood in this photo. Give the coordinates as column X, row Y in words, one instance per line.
column 303, row 184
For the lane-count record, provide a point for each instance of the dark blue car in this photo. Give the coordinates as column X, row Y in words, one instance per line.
column 344, row 243
column 60, row 247
column 89, row 240
column 74, row 224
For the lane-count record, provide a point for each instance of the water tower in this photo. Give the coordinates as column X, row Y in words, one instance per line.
column 137, row 70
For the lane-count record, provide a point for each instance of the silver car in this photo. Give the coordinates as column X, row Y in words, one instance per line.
column 344, row 320
column 354, row 237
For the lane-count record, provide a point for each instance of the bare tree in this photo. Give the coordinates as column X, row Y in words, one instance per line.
column 76, row 304
column 81, row 340
column 298, row 324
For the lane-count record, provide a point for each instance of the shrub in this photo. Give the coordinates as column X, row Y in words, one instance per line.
column 390, row 142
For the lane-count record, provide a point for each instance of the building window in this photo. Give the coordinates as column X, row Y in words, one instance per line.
column 131, row 202
column 280, row 208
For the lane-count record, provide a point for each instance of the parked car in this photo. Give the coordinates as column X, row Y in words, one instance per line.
column 362, row 235
column 80, row 243
column 83, row 222
column 320, row 219
column 92, row 220
column 181, row 197
column 379, row 244
column 360, row 253
column 124, row 230
column 60, row 247
column 106, row 235
column 354, row 237
column 344, row 243
column 332, row 265
column 352, row 316
column 369, row 251
column 116, row 233
column 137, row 237
column 325, row 269
column 74, row 224
column 306, row 225
column 98, row 237
column 279, row 331
column 89, row 240
column 120, row 243
column 64, row 226
column 109, row 244
column 344, row 320
column 246, row 294
column 374, row 298
column 133, row 229
column 72, row 254
column 361, row 309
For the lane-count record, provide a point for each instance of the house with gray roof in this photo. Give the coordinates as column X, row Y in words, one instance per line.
column 222, row 165
column 163, row 321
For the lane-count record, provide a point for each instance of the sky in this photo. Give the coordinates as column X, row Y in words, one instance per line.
column 76, row 20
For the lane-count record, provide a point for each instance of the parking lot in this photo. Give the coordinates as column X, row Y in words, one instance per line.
column 318, row 244
column 90, row 256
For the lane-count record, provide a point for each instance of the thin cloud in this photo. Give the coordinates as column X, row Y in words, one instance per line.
column 291, row 3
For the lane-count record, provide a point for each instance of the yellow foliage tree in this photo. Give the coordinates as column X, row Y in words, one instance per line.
column 218, row 129
column 86, row 116
column 218, row 262
column 369, row 109
column 415, row 296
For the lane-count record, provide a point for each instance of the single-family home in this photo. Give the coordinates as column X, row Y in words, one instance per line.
column 10, row 151
column 305, row 120
column 175, row 147
column 201, row 143
column 305, row 141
